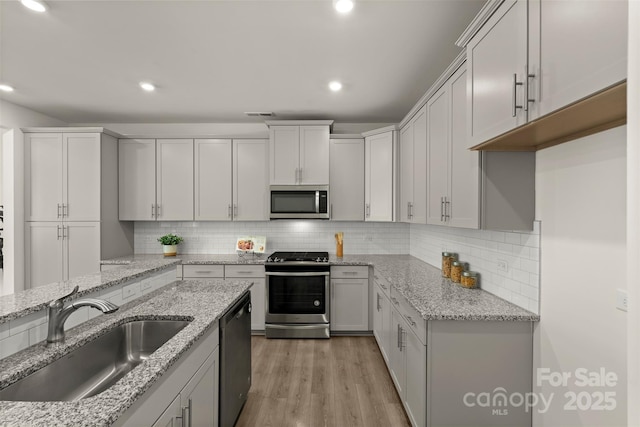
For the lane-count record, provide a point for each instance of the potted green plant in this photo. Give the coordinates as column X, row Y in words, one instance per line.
column 170, row 244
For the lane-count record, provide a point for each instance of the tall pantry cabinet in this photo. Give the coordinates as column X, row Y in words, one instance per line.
column 71, row 203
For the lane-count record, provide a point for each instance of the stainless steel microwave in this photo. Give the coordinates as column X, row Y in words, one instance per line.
column 299, row 202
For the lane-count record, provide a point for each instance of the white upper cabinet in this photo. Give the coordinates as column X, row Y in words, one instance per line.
column 137, row 179
column 62, row 176
column 346, row 183
column 497, row 61
column 212, row 175
column 156, row 179
column 453, row 170
column 299, row 154
column 413, row 169
column 380, row 180
column 582, row 49
column 534, row 57
column 174, row 174
column 250, row 180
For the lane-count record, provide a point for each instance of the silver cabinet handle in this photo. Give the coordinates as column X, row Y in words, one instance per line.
column 331, row 211
column 235, row 210
column 229, row 211
column 367, row 210
column 408, row 210
column 58, row 210
column 190, row 412
column 65, row 232
column 58, row 232
column 398, row 337
column 402, row 340
column 441, row 209
column 411, row 210
column 158, row 214
column 203, row 271
column 153, row 210
column 447, row 207
column 349, row 272
column 411, row 321
column 395, row 301
column 526, row 88
column 65, row 210
column 383, row 286
column 516, row 83
column 378, row 301
column 244, row 272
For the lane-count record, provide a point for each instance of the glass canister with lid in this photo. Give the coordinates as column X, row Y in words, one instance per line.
column 457, row 267
column 469, row 279
column 447, row 259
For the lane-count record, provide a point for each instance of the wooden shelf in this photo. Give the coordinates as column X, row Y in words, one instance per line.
column 601, row 111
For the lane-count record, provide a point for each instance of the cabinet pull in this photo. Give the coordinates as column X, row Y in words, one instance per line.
column 378, row 301
column 398, row 338
column 235, row 210
column 190, row 412
column 203, row 271
column 383, row 286
column 65, row 210
column 402, row 335
column 395, row 301
column 516, row 83
column 158, row 215
column 229, row 211
column 331, row 211
column 367, row 210
column 58, row 232
column 58, row 210
column 408, row 210
column 349, row 272
column 411, row 321
column 153, row 211
column 441, row 209
column 65, row 235
column 411, row 210
column 526, row 88
column 447, row 209
column 244, row 272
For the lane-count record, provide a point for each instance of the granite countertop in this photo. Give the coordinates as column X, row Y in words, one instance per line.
column 433, row 296
column 201, row 301
column 32, row 300
column 186, row 259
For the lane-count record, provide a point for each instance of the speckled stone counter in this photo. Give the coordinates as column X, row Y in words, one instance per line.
column 433, row 296
column 201, row 301
column 189, row 259
column 29, row 301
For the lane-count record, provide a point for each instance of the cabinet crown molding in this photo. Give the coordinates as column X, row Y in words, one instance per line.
column 298, row 122
column 481, row 18
column 71, row 130
column 381, row 130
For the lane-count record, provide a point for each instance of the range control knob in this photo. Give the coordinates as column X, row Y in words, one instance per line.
column 325, row 260
column 316, row 303
column 318, row 259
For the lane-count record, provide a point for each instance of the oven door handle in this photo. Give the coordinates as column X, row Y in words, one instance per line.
column 299, row 273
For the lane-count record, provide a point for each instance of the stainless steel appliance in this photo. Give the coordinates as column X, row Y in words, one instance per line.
column 299, row 202
column 297, row 295
column 235, row 360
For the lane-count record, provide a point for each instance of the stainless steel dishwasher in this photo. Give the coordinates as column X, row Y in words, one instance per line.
column 235, row 360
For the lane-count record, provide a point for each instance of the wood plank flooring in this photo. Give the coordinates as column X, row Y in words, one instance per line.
column 340, row 382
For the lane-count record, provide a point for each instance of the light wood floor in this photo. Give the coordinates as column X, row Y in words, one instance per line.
column 340, row 382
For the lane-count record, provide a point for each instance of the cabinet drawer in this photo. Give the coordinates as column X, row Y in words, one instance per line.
column 382, row 283
column 244, row 271
column 203, row 270
column 350, row 272
column 415, row 321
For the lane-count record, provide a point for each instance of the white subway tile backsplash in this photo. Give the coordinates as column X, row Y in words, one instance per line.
column 25, row 323
column 14, row 344
column 37, row 334
column 482, row 249
column 4, row 331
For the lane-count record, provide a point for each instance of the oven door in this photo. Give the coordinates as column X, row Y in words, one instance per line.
column 297, row 297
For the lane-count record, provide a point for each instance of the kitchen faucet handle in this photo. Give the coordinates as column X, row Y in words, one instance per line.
column 61, row 299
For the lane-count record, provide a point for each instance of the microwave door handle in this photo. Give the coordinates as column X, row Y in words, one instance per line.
column 317, row 201
column 304, row 273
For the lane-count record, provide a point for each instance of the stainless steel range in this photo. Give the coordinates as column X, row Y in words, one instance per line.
column 297, row 295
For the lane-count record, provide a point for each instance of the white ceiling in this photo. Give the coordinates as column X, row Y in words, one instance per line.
column 213, row 60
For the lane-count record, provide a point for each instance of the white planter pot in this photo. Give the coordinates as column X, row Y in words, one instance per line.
column 170, row 250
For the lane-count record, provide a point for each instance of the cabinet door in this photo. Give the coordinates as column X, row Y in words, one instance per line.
column 81, row 180
column 406, row 172
column 438, row 155
column 174, row 185
column 418, row 210
column 137, row 179
column 346, row 182
column 397, row 353
column 43, row 176
column 200, row 395
column 583, row 49
column 43, row 253
column 379, row 179
column 496, row 60
column 81, row 248
column 314, row 155
column 171, row 417
column 382, row 321
column 250, row 172
column 416, row 379
column 213, row 191
column 350, row 304
column 464, row 174
column 284, row 154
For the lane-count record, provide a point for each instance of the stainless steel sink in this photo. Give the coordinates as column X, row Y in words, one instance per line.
column 97, row 365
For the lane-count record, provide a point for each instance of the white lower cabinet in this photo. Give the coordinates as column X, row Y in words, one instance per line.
column 187, row 395
column 255, row 274
column 381, row 317
column 349, row 299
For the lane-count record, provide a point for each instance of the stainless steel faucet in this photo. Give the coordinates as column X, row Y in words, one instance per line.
column 58, row 314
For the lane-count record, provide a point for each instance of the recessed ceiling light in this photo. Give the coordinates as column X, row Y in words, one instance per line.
column 37, row 5
column 335, row 86
column 6, row 88
column 149, row 87
column 343, row 6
